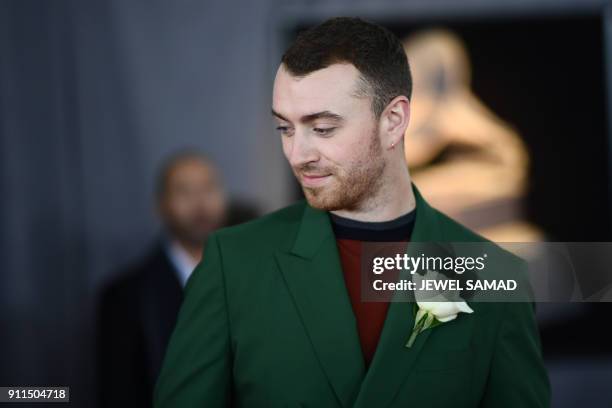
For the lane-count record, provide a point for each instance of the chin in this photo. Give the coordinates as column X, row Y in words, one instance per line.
column 322, row 201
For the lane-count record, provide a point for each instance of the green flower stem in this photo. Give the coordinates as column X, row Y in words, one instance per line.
column 421, row 319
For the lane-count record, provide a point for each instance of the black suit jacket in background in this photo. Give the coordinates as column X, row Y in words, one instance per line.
column 136, row 316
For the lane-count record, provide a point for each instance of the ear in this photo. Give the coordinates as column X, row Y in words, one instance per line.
column 394, row 121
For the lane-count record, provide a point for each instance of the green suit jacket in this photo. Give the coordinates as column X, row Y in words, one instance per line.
column 267, row 322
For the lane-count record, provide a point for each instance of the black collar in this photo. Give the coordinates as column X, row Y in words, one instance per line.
column 396, row 230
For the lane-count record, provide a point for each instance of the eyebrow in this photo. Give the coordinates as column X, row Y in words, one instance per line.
column 312, row 116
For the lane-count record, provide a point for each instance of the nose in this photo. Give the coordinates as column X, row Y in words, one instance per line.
column 300, row 149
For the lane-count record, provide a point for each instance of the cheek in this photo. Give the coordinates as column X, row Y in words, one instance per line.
column 174, row 210
column 340, row 156
column 183, row 207
column 347, row 151
column 215, row 203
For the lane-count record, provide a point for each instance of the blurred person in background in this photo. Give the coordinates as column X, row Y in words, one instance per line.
column 137, row 311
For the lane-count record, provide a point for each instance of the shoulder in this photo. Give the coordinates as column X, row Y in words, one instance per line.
column 243, row 254
column 455, row 232
column 118, row 298
column 130, row 280
column 125, row 283
column 501, row 264
column 274, row 230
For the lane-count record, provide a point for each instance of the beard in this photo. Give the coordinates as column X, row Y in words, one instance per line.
column 194, row 230
column 352, row 185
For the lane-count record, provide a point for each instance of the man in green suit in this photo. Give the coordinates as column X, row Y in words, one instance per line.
column 273, row 315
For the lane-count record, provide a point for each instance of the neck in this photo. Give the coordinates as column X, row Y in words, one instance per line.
column 193, row 250
column 393, row 199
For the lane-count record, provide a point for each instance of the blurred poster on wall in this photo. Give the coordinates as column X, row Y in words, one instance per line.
column 466, row 161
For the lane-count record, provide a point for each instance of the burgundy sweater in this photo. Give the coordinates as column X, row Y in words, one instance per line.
column 350, row 234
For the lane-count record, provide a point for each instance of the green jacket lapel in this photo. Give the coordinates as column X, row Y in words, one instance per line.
column 393, row 361
column 313, row 274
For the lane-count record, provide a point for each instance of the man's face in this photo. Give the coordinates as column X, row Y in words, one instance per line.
column 330, row 136
column 193, row 203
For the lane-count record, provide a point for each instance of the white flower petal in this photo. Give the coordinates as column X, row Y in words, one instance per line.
column 445, row 311
column 447, row 319
column 463, row 307
column 439, row 309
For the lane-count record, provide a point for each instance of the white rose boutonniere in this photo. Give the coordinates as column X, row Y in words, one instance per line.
column 432, row 314
column 435, row 310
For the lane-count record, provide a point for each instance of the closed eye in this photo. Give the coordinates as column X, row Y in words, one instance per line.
column 284, row 130
column 323, row 131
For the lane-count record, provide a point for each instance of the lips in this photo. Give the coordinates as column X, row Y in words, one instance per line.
column 312, row 180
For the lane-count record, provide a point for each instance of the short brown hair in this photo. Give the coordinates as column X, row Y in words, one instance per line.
column 376, row 53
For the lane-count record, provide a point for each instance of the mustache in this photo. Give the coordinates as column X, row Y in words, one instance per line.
column 312, row 169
